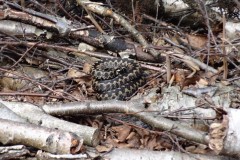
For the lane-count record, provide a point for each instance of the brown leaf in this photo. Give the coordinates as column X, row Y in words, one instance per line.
column 132, row 134
column 12, row 80
column 179, row 76
column 78, row 93
column 190, row 148
column 79, row 77
column 197, row 41
column 122, row 132
column 190, row 81
column 200, row 149
column 87, row 68
column 104, row 148
column 111, row 141
column 124, row 145
column 152, row 142
column 142, row 132
column 133, row 140
column 217, row 134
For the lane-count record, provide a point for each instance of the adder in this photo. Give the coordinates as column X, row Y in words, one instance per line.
column 116, row 78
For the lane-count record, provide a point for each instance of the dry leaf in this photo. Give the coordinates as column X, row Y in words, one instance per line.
column 217, row 134
column 87, row 68
column 142, row 132
column 74, row 73
column 105, row 148
column 197, row 41
column 134, row 142
column 179, row 76
column 122, row 132
column 132, row 134
column 199, row 149
column 190, row 148
column 190, row 81
column 79, row 77
column 111, row 141
column 152, row 142
column 12, row 80
column 202, row 83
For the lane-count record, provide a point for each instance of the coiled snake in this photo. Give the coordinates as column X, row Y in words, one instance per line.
column 116, row 78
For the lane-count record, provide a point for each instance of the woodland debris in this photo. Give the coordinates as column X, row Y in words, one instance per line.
column 229, row 133
column 37, row 116
column 118, row 18
column 135, row 108
column 133, row 154
column 51, row 140
column 13, row 152
column 48, row 156
column 8, row 114
column 198, row 38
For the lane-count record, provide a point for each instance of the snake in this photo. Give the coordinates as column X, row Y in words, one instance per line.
column 116, row 78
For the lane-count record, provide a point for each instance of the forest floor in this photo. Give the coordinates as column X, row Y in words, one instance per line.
column 185, row 109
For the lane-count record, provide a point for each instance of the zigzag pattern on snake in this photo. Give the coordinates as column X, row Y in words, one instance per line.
column 116, row 78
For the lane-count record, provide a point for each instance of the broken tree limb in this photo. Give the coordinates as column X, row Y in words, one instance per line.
column 133, row 154
column 200, row 64
column 137, row 109
column 231, row 142
column 19, row 29
column 45, row 155
column 13, row 152
column 133, row 107
column 51, row 140
column 6, row 113
column 33, row 26
column 36, row 116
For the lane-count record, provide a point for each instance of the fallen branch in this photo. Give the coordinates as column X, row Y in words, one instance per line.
column 231, row 142
column 36, row 116
column 6, row 113
column 51, row 140
column 196, row 62
column 133, row 154
column 33, row 21
column 13, row 152
column 44, row 155
column 134, row 107
column 221, row 137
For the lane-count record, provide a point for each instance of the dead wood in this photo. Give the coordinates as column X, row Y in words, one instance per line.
column 118, row 18
column 50, row 140
column 92, row 37
column 13, row 152
column 198, row 38
column 132, row 154
column 6, row 113
column 135, row 108
column 37, row 116
column 48, row 156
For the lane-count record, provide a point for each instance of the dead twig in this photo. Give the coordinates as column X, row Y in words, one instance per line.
column 108, row 12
